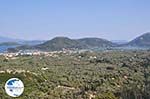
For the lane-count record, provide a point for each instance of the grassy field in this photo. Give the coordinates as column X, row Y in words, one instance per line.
column 86, row 75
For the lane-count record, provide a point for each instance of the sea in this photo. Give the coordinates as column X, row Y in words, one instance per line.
column 3, row 48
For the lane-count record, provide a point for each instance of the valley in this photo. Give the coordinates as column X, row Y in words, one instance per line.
column 80, row 75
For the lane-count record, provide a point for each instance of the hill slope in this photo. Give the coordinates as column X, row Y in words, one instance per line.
column 96, row 42
column 59, row 43
column 141, row 41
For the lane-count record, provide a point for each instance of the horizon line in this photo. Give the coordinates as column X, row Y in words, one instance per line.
column 22, row 39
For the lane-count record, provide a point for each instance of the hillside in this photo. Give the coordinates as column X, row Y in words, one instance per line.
column 141, row 41
column 96, row 42
column 59, row 43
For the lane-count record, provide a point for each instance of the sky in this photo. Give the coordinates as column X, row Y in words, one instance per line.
column 45, row 19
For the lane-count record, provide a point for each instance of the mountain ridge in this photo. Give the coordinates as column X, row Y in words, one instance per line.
column 59, row 43
column 141, row 41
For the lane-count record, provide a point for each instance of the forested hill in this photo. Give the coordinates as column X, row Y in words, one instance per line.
column 59, row 43
column 141, row 41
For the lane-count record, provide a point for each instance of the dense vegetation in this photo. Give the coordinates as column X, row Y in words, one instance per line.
column 84, row 75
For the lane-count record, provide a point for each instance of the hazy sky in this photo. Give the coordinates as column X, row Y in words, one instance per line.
column 45, row 19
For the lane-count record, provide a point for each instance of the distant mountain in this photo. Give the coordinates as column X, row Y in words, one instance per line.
column 9, row 44
column 6, row 39
column 24, row 45
column 31, row 43
column 141, row 41
column 96, row 42
column 59, row 43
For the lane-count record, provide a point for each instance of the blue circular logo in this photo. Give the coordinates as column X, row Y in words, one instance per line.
column 14, row 87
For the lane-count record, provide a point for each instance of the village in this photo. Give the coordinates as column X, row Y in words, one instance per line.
column 8, row 55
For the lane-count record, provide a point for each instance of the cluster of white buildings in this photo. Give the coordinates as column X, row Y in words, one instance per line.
column 35, row 53
column 21, row 53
